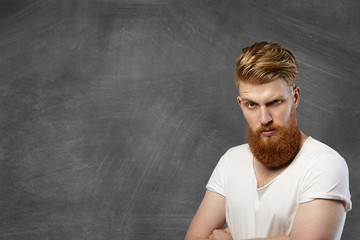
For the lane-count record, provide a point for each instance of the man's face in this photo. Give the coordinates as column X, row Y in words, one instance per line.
column 267, row 103
column 269, row 109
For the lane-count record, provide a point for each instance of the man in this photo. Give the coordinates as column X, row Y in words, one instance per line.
column 282, row 184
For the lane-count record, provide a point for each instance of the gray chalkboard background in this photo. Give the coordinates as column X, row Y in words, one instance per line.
column 114, row 113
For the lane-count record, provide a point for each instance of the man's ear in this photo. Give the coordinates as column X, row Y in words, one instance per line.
column 296, row 95
column 239, row 101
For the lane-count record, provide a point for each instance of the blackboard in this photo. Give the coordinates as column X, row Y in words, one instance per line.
column 114, row 113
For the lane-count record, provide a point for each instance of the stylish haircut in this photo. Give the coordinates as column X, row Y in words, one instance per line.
column 264, row 62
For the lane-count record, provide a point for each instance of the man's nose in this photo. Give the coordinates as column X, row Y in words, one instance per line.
column 265, row 116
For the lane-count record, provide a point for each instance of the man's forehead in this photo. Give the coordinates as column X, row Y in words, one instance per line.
column 270, row 90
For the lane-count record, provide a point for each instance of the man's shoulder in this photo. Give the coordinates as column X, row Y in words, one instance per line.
column 237, row 154
column 323, row 173
column 313, row 146
column 236, row 158
column 239, row 149
column 318, row 153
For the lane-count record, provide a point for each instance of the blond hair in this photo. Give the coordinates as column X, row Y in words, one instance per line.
column 264, row 62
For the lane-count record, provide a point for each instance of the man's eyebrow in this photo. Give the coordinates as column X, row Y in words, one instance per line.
column 279, row 97
column 247, row 100
column 244, row 99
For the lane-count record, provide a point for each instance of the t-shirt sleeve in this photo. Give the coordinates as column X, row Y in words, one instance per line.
column 327, row 178
column 216, row 181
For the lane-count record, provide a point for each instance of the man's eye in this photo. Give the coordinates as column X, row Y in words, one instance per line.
column 250, row 105
column 276, row 102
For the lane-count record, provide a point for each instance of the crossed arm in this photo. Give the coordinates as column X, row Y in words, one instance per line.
column 317, row 220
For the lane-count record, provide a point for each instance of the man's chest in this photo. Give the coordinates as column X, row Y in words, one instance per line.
column 277, row 201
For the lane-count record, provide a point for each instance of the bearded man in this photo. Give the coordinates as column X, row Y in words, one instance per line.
column 282, row 184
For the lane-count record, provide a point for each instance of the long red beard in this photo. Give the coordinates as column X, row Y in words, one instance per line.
column 280, row 149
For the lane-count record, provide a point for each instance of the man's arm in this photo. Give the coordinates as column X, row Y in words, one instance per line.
column 209, row 216
column 318, row 219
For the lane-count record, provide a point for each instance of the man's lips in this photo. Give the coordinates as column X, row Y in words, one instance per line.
column 268, row 132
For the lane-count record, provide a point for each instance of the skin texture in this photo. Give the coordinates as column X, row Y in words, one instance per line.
column 269, row 102
column 209, row 217
column 316, row 220
column 219, row 234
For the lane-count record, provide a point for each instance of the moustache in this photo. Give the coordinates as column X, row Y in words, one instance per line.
column 269, row 127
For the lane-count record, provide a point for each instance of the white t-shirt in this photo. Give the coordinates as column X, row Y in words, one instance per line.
column 316, row 172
